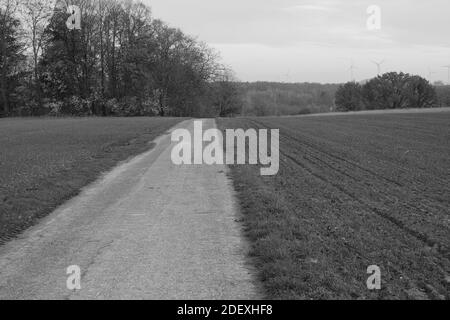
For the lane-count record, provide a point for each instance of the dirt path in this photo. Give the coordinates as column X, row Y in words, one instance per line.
column 146, row 230
column 376, row 112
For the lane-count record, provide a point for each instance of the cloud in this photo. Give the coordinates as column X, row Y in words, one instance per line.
column 259, row 38
column 307, row 7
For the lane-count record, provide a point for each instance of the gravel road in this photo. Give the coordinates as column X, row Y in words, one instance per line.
column 146, row 230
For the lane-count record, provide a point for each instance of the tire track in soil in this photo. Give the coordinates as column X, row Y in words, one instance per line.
column 336, row 161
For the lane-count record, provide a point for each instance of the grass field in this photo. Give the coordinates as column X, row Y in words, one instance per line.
column 44, row 162
column 352, row 191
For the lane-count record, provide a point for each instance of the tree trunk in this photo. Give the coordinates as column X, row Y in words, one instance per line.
column 113, row 61
column 4, row 93
column 102, row 61
column 3, row 74
column 37, row 83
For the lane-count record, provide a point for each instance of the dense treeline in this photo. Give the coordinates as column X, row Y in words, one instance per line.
column 269, row 98
column 443, row 94
column 391, row 90
column 121, row 62
column 388, row 91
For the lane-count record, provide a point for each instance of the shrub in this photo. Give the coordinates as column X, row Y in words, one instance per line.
column 398, row 91
column 420, row 93
column 30, row 108
column 76, row 106
column 112, row 106
column 304, row 111
column 443, row 93
column 54, row 108
column 132, row 107
column 349, row 97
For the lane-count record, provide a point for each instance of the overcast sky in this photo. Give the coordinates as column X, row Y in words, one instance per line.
column 316, row 40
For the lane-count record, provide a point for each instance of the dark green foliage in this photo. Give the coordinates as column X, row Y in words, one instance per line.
column 349, row 97
column 122, row 62
column 11, row 61
column 420, row 93
column 443, row 94
column 226, row 98
column 269, row 98
column 390, row 91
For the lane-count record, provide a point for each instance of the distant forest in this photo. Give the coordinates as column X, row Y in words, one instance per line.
column 443, row 94
column 273, row 99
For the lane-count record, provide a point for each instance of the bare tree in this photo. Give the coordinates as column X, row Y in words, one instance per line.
column 35, row 16
column 102, row 9
column 8, row 9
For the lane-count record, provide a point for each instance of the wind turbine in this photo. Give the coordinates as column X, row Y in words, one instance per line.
column 351, row 69
column 448, row 68
column 430, row 73
column 288, row 77
column 379, row 64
